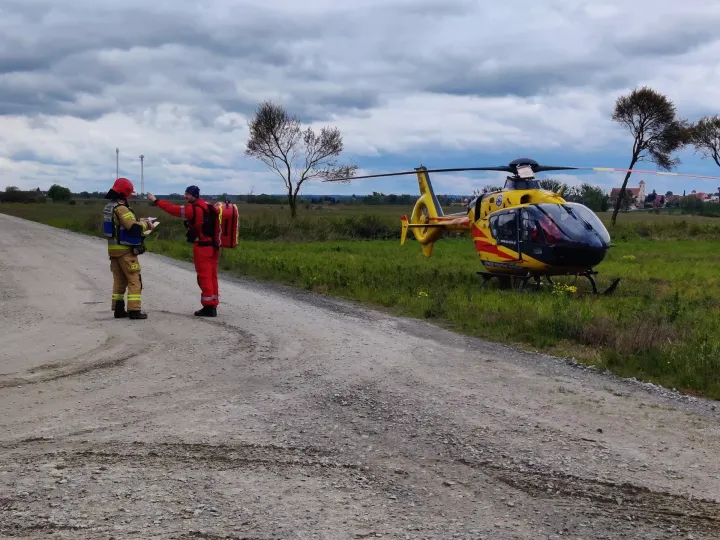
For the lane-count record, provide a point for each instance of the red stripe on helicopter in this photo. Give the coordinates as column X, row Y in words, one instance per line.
column 489, row 248
column 481, row 244
column 477, row 232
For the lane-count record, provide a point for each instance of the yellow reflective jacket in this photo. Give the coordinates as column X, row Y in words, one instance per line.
column 126, row 219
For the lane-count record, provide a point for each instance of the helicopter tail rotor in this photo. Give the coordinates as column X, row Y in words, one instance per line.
column 404, row 227
column 427, row 221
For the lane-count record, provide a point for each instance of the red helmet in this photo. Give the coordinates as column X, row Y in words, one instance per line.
column 124, row 187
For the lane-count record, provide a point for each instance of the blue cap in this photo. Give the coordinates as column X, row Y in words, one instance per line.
column 194, row 191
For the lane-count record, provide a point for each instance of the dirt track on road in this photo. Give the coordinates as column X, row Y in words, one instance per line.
column 295, row 416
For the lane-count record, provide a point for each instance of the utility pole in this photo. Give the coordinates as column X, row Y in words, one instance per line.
column 142, row 177
column 117, row 163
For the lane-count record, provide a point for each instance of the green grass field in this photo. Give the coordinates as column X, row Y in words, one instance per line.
column 662, row 324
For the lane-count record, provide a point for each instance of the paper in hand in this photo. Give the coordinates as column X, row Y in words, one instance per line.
column 153, row 224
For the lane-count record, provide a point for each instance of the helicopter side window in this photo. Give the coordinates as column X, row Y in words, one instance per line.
column 552, row 231
column 530, row 231
column 504, row 227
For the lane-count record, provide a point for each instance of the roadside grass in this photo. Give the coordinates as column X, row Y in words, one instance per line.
column 662, row 324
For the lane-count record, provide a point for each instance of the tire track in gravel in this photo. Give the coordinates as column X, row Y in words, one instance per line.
column 189, row 471
column 168, row 455
column 621, row 499
column 113, row 353
column 384, row 416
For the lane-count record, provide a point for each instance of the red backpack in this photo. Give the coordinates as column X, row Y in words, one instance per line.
column 229, row 224
column 220, row 223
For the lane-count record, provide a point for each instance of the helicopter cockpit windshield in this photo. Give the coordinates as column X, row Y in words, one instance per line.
column 567, row 222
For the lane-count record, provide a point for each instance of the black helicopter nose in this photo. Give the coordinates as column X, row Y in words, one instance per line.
column 574, row 255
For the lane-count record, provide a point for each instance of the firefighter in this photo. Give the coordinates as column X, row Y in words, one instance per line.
column 126, row 240
column 206, row 252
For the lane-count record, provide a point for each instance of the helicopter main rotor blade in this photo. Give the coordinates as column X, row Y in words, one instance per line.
column 502, row 168
column 661, row 173
column 514, row 170
column 543, row 168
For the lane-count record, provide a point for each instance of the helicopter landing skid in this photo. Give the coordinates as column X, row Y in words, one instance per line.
column 510, row 281
column 591, row 277
column 507, row 282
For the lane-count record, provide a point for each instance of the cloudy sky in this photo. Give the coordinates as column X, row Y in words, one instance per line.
column 443, row 83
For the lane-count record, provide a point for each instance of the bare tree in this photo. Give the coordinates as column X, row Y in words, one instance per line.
column 627, row 199
column 295, row 155
column 651, row 119
column 705, row 137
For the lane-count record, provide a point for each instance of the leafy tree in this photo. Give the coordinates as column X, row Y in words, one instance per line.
column 556, row 186
column 705, row 137
column 691, row 204
column 650, row 118
column 591, row 196
column 277, row 140
column 59, row 193
column 594, row 198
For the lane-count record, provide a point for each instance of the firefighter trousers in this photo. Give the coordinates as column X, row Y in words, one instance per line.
column 206, row 260
column 126, row 276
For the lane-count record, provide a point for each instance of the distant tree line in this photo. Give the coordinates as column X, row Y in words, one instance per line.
column 56, row 193
column 13, row 194
column 374, row 199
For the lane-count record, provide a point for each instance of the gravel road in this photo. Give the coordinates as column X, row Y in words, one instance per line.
column 295, row 416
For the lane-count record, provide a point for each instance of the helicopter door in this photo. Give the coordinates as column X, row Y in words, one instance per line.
column 531, row 239
column 505, row 228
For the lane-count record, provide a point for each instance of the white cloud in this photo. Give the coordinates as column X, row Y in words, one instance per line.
column 176, row 82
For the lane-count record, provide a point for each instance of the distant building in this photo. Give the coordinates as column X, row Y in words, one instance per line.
column 637, row 193
column 706, row 197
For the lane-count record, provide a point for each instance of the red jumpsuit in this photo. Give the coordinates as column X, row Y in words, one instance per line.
column 205, row 257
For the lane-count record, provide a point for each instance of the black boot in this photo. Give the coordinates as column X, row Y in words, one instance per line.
column 120, row 312
column 206, row 311
column 137, row 314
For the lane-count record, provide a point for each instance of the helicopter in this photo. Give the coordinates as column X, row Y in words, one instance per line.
column 522, row 232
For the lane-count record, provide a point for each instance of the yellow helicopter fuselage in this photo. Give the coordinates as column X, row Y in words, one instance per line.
column 515, row 231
